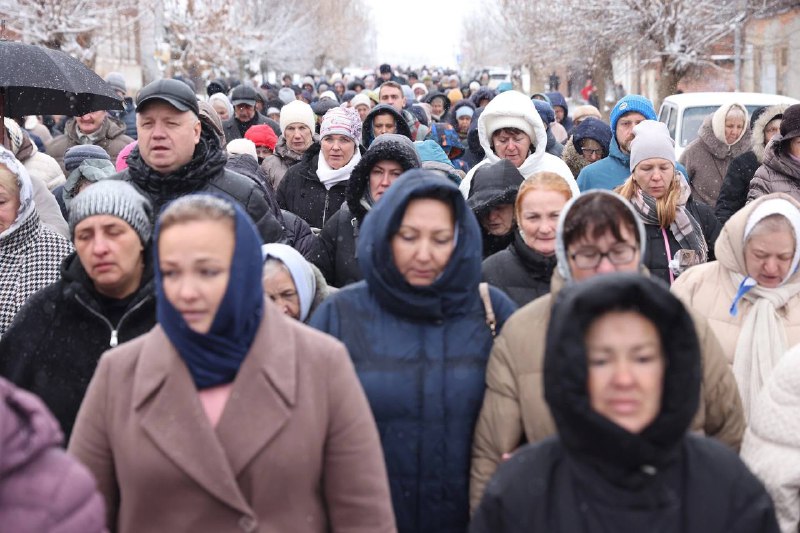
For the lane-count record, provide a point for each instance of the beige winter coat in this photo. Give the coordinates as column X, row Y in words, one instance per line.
column 771, row 447
column 707, row 157
column 708, row 289
column 515, row 412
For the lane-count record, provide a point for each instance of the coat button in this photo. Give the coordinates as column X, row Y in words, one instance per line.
column 248, row 523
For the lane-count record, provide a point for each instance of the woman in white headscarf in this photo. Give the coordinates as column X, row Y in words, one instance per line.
column 751, row 294
column 30, row 253
column 294, row 284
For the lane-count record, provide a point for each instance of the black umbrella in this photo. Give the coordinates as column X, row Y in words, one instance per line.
column 35, row 80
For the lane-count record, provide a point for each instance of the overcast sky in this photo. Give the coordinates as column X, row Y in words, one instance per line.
column 397, row 21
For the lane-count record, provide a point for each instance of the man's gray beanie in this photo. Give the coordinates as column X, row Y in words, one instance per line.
column 116, row 198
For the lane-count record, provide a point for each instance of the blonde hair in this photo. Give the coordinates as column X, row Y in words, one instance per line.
column 196, row 208
column 666, row 206
column 9, row 180
column 541, row 181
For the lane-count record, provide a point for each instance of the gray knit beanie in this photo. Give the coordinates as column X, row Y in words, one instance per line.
column 115, row 198
column 75, row 155
column 651, row 140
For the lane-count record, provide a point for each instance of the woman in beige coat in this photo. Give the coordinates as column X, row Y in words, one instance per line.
column 228, row 415
column 751, row 294
column 598, row 233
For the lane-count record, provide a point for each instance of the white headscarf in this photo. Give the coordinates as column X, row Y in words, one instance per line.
column 26, row 205
column 304, row 281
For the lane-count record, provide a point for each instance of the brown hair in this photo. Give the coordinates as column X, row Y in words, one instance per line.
column 666, row 206
column 595, row 214
column 541, row 181
column 392, row 84
column 196, row 208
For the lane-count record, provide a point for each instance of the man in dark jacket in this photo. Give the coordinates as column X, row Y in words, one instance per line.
column 389, row 156
column 178, row 155
column 243, row 99
column 105, row 297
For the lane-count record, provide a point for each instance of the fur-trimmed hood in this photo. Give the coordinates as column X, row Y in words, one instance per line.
column 759, row 142
column 389, row 146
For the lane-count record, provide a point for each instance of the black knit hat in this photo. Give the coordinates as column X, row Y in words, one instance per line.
column 790, row 123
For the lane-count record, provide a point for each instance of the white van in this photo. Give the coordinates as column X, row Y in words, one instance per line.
column 684, row 113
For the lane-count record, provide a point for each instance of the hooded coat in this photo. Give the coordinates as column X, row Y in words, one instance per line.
column 735, row 186
column 519, row 271
column 495, row 185
column 282, row 158
column 557, row 99
column 42, row 351
column 709, row 289
column 42, row 489
column 771, row 446
column 517, row 105
column 420, row 357
column 778, row 173
column 30, row 253
column 707, row 157
column 301, row 192
column 110, row 137
column 514, row 411
column 438, row 94
column 368, row 135
column 337, row 258
column 596, row 476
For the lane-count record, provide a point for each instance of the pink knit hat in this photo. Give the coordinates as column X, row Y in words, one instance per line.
column 341, row 121
column 122, row 158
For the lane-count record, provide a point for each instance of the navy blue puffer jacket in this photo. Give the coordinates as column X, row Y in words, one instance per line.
column 420, row 353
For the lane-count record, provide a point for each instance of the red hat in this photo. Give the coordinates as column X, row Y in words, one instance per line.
column 262, row 135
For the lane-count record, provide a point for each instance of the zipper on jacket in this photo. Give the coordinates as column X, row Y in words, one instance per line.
column 325, row 210
column 114, row 340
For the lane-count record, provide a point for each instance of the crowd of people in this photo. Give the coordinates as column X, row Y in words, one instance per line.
column 397, row 303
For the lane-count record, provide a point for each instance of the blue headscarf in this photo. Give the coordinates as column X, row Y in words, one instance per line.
column 214, row 358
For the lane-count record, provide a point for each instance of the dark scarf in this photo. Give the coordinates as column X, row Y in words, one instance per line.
column 244, row 126
column 214, row 358
column 207, row 161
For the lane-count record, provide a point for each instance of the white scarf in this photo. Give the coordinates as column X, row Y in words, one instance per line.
column 330, row 177
column 762, row 340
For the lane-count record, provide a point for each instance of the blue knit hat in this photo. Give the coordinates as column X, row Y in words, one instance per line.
column 630, row 103
column 545, row 110
column 75, row 155
column 592, row 128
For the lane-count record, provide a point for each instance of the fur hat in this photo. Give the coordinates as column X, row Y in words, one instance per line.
column 297, row 111
column 651, row 140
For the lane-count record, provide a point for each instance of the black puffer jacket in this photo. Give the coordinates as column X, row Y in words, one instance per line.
column 303, row 194
column 655, row 256
column 339, row 237
column 494, row 185
column 596, row 476
column 296, row 233
column 205, row 172
column 56, row 339
column 736, row 185
column 522, row 273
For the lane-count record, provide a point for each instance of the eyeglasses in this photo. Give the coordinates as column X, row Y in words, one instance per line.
column 591, row 151
column 590, row 258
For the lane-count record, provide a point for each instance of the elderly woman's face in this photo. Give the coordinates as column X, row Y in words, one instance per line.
column 280, row 287
column 513, row 145
column 768, row 256
column 499, row 220
column 794, row 147
column 424, row 242
column 626, row 369
column 195, row 262
column 734, row 124
column 221, row 109
column 9, row 206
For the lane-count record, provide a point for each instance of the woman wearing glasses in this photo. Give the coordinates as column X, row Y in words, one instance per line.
column 680, row 232
column 598, row 233
column 589, row 143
